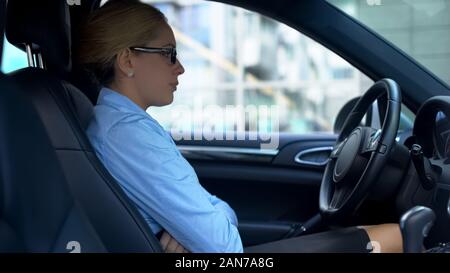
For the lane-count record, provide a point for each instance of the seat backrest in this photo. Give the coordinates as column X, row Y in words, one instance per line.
column 37, row 210
column 65, row 113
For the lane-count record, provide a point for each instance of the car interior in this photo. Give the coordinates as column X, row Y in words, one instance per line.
column 56, row 196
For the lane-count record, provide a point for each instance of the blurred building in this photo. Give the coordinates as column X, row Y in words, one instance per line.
column 236, row 57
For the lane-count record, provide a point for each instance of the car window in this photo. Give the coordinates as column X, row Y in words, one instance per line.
column 407, row 118
column 13, row 58
column 275, row 72
column 246, row 70
column 419, row 28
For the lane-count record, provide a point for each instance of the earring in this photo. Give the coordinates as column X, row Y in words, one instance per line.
column 130, row 74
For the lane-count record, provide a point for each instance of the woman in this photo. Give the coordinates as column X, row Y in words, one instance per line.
column 131, row 50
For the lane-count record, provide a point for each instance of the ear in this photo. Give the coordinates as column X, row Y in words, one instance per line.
column 125, row 62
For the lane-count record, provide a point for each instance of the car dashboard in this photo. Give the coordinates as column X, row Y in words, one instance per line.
column 432, row 132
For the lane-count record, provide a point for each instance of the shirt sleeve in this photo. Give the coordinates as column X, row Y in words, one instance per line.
column 163, row 184
column 222, row 205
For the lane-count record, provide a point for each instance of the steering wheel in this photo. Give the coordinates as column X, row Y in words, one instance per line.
column 360, row 153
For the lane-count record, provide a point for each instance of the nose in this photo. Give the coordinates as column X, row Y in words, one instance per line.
column 179, row 68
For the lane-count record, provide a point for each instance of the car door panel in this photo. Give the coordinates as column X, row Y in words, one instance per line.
column 271, row 193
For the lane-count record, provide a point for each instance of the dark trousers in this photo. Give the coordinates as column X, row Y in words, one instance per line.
column 346, row 240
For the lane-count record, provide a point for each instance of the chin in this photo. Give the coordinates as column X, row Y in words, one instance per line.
column 165, row 101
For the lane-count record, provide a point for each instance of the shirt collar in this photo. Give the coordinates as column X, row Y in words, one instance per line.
column 110, row 97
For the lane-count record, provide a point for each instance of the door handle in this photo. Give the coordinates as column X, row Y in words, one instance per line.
column 314, row 157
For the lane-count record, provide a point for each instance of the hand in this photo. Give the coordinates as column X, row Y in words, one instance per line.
column 170, row 245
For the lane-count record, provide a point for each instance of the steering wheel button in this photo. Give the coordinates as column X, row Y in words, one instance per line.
column 382, row 149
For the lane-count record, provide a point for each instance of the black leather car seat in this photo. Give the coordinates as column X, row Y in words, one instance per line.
column 42, row 28
column 37, row 210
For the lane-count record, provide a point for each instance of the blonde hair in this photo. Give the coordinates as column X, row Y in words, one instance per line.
column 117, row 25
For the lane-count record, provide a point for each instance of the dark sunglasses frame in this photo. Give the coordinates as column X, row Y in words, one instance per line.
column 168, row 50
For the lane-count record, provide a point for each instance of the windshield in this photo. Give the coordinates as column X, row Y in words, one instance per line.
column 421, row 28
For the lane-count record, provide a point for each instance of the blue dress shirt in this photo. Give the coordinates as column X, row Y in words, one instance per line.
column 145, row 161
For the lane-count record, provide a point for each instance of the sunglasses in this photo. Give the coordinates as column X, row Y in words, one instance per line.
column 169, row 52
